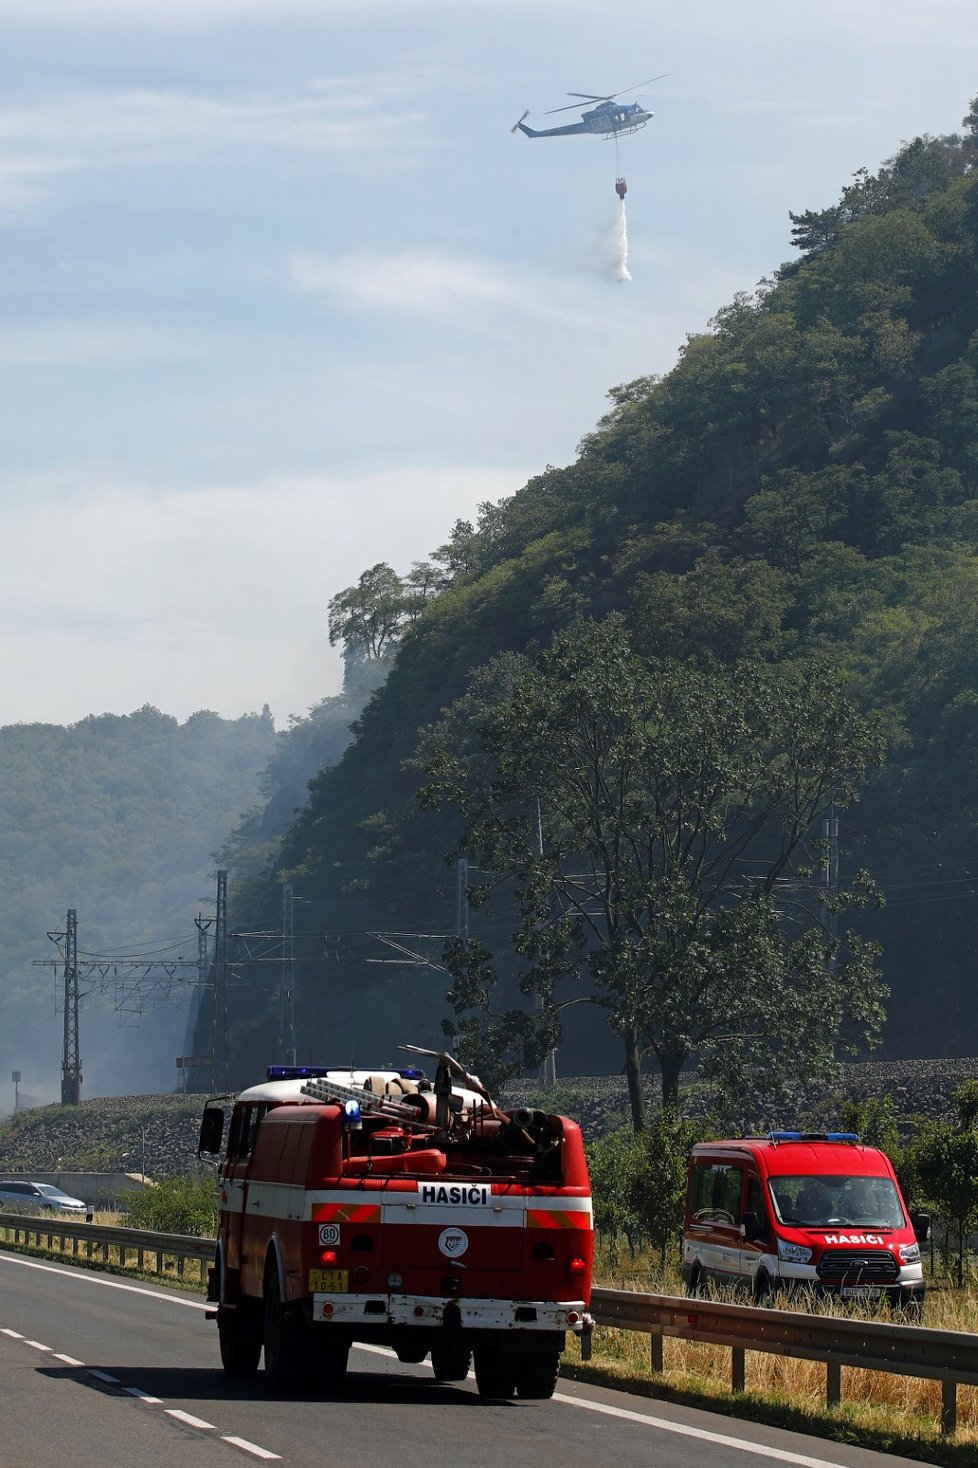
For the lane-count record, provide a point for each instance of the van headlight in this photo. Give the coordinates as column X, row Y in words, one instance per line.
column 909, row 1253
column 793, row 1253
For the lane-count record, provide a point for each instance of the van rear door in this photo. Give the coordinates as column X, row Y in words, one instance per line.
column 714, row 1227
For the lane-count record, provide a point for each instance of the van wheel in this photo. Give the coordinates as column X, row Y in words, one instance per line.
column 450, row 1362
column 286, row 1363
column 495, row 1373
column 536, row 1375
column 762, row 1287
column 695, row 1286
column 240, row 1335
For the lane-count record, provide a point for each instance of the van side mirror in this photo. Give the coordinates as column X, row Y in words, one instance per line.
column 752, row 1227
column 211, row 1130
column 920, row 1223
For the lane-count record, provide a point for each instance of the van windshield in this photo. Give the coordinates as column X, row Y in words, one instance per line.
column 825, row 1201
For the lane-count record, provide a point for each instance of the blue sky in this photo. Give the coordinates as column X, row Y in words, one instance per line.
column 282, row 296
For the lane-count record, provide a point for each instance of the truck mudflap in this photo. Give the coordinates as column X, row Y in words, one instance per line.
column 429, row 1310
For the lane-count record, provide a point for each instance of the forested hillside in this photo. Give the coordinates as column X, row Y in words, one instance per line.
column 803, row 484
column 117, row 817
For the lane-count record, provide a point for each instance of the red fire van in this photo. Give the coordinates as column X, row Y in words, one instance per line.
column 800, row 1208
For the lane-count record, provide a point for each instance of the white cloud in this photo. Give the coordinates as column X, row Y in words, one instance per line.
column 434, row 283
column 113, row 596
column 346, row 114
column 346, row 118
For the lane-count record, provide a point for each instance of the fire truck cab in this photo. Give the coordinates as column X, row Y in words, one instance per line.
column 380, row 1207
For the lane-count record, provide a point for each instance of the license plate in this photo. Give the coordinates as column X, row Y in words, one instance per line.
column 859, row 1292
column 328, row 1281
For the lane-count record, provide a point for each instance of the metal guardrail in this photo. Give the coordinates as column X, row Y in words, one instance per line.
column 105, row 1237
column 947, row 1356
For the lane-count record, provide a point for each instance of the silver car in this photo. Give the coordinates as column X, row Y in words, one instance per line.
column 29, row 1197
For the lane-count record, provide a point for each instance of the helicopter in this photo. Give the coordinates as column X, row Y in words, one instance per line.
column 610, row 118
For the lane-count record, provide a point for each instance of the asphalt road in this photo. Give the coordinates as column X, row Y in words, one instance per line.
column 99, row 1373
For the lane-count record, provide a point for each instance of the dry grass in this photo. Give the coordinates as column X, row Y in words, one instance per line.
column 898, row 1409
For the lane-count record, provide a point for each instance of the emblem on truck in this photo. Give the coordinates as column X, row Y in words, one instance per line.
column 453, row 1242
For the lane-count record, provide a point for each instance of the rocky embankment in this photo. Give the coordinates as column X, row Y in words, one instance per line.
column 917, row 1089
column 157, row 1135
column 151, row 1135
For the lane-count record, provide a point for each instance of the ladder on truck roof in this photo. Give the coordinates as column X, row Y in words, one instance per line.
column 322, row 1088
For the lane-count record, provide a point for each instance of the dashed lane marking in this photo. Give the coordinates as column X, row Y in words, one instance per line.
column 142, row 1396
column 189, row 1420
column 146, row 1399
column 252, row 1448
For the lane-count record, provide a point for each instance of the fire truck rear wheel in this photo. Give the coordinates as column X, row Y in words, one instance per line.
column 450, row 1363
column 536, row 1375
column 495, row 1372
column 287, row 1365
column 239, row 1332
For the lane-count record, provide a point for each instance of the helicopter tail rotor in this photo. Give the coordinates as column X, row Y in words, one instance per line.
column 515, row 126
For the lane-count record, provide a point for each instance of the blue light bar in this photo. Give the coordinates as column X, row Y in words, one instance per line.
column 296, row 1072
column 842, row 1137
column 784, row 1136
column 411, row 1073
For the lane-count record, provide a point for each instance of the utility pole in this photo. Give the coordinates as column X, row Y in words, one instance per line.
column 548, row 1071
column 220, row 1044
column 830, row 872
column 71, row 1077
column 287, row 985
column 462, row 898
column 203, row 926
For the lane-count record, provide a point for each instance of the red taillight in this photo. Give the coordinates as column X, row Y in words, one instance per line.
column 328, row 1256
column 577, row 1266
column 572, row 1317
column 327, row 1309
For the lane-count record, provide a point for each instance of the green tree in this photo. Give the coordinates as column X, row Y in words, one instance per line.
column 646, row 818
column 947, row 1166
column 367, row 618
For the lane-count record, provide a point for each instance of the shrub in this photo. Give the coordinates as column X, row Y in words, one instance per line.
column 178, row 1205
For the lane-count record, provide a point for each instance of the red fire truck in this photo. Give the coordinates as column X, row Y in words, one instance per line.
column 381, row 1207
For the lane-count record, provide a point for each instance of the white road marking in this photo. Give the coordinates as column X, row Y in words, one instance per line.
column 103, row 1376
column 253, row 1448
column 662, row 1424
column 108, row 1284
column 142, row 1396
column 190, row 1421
column 14, row 1335
column 37, row 1345
column 68, row 1360
column 782, row 1455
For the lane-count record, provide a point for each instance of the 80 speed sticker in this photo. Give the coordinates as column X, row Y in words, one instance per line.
column 329, row 1233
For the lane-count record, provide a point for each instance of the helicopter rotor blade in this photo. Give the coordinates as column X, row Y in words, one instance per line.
column 604, row 96
column 522, row 119
column 574, row 106
column 626, row 90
